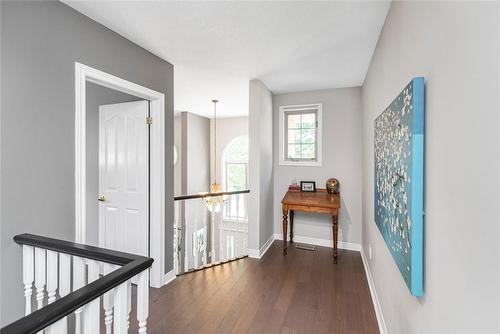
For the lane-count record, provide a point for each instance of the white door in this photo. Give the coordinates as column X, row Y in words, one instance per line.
column 124, row 177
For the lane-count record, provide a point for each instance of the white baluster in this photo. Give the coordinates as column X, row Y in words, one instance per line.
column 64, row 288
column 215, row 254
column 143, row 300
column 237, row 223
column 64, row 274
column 205, row 243
column 78, row 282
column 241, row 225
column 196, row 251
column 121, row 309
column 245, row 225
column 28, row 275
column 227, row 235
column 58, row 327
column 220, row 227
column 107, row 303
column 176, row 236
column 51, row 275
column 52, row 329
column 40, row 276
column 91, row 310
column 129, row 301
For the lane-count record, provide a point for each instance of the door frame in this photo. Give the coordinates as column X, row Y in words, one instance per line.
column 84, row 74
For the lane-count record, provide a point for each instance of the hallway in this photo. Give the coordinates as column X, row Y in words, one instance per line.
column 303, row 292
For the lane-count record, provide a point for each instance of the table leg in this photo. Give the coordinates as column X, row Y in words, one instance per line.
column 335, row 235
column 285, row 225
column 291, row 226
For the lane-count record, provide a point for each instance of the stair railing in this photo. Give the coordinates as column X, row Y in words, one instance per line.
column 76, row 277
column 210, row 229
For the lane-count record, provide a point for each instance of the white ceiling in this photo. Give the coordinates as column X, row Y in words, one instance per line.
column 216, row 47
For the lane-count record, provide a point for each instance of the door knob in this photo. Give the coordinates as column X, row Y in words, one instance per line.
column 102, row 199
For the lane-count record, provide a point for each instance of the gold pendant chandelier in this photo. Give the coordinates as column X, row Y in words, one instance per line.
column 214, row 203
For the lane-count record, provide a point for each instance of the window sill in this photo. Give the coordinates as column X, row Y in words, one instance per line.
column 301, row 163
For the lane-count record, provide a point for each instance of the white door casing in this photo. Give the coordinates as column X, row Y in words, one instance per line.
column 84, row 74
column 123, row 177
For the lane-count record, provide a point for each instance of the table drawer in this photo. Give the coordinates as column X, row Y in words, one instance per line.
column 309, row 208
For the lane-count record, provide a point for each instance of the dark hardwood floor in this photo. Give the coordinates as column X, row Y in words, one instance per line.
column 303, row 292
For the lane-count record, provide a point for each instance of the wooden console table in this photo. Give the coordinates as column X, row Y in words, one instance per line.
column 318, row 202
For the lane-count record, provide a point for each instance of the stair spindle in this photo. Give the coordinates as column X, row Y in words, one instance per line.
column 91, row 310
column 40, row 274
column 51, row 275
column 107, row 303
column 143, row 300
column 129, row 301
column 64, row 288
column 78, row 282
column 28, row 275
column 121, row 309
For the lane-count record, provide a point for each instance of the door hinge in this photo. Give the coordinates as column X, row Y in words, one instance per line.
column 149, row 120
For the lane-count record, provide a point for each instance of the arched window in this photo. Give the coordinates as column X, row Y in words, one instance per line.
column 235, row 162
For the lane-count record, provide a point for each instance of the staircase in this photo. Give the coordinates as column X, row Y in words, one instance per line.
column 64, row 279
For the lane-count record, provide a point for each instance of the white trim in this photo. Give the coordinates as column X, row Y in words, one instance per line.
column 322, row 242
column 265, row 247
column 169, row 277
column 253, row 253
column 319, row 133
column 376, row 303
column 83, row 74
column 258, row 254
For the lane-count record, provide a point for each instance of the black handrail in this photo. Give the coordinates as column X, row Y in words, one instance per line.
column 49, row 314
column 204, row 195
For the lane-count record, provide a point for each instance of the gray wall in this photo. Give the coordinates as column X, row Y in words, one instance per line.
column 96, row 96
column 341, row 159
column 260, row 205
column 195, row 173
column 195, row 153
column 455, row 46
column 1, row 170
column 40, row 41
column 178, row 145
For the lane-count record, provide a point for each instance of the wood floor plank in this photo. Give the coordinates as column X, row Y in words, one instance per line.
column 302, row 292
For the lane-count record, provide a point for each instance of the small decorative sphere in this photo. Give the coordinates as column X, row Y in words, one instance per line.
column 332, row 186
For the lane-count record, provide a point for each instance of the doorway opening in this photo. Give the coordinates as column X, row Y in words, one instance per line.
column 122, row 139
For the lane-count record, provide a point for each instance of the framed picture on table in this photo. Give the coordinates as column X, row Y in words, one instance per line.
column 308, row 186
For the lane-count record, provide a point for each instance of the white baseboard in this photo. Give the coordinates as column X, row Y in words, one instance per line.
column 169, row 277
column 321, row 242
column 376, row 304
column 263, row 250
column 258, row 254
column 253, row 253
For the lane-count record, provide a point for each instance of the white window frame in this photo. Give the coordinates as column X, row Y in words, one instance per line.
column 283, row 132
column 224, row 163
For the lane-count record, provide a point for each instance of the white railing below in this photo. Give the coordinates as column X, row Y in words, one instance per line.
column 209, row 234
column 60, row 275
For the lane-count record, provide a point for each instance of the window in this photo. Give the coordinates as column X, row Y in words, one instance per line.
column 300, row 135
column 235, row 162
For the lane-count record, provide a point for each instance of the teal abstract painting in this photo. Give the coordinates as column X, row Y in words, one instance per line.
column 399, row 181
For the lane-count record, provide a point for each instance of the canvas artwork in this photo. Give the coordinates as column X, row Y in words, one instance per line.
column 399, row 183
